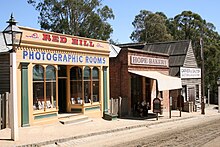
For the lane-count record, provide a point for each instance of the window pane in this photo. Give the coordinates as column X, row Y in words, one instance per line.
column 76, row 73
column 76, row 85
column 62, row 71
column 87, row 73
column 76, row 92
column 95, row 91
column 50, row 73
column 87, row 91
column 38, row 95
column 95, row 84
column 38, row 73
column 95, row 73
column 50, row 95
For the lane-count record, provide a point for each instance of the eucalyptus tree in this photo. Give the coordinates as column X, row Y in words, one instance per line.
column 86, row 18
column 150, row 27
column 192, row 26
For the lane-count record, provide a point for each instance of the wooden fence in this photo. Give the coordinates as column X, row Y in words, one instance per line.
column 4, row 110
column 115, row 106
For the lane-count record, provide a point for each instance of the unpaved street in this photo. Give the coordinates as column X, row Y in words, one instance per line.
column 193, row 136
column 187, row 132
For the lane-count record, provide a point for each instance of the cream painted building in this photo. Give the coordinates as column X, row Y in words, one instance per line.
column 60, row 73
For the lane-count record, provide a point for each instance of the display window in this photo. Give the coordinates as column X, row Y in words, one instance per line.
column 76, row 85
column 95, row 84
column 84, row 85
column 44, row 87
column 87, row 84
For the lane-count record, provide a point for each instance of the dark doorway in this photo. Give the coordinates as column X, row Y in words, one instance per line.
column 62, row 79
column 136, row 91
column 192, row 95
column 148, row 92
column 62, row 95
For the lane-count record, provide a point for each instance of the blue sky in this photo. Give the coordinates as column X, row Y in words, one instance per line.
column 124, row 10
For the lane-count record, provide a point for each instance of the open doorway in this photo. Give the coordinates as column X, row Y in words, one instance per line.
column 62, row 89
column 62, row 95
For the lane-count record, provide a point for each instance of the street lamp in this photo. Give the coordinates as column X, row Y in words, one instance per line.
column 218, row 83
column 12, row 36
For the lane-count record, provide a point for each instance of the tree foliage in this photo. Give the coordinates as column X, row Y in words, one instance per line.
column 86, row 18
column 150, row 27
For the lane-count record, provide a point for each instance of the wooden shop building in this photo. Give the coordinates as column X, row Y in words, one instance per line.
column 58, row 73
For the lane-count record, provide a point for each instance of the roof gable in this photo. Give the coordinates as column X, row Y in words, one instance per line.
column 190, row 60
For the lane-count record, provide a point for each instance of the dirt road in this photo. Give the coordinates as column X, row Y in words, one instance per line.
column 196, row 136
column 201, row 131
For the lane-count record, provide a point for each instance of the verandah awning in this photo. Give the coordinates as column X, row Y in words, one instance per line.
column 165, row 82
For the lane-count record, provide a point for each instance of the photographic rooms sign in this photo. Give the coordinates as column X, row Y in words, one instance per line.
column 141, row 60
column 190, row 73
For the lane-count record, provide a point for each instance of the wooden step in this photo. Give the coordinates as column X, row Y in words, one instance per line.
column 73, row 119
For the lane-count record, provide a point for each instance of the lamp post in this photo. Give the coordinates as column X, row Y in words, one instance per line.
column 12, row 36
column 218, row 83
column 202, row 78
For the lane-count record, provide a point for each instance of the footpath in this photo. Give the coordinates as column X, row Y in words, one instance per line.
column 56, row 132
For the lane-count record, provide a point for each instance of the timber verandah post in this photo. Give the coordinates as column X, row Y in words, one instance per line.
column 24, row 95
column 105, row 87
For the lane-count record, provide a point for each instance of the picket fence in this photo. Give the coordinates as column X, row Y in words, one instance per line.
column 4, row 110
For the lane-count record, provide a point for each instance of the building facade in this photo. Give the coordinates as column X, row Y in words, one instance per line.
column 140, row 76
column 60, row 73
column 182, row 64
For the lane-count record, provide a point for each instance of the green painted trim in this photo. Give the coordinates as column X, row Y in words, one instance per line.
column 24, row 95
column 75, row 110
column 45, row 116
column 92, row 108
column 105, row 97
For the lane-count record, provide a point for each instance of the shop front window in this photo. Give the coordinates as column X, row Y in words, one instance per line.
column 95, row 84
column 50, row 87
column 42, row 79
column 87, row 84
column 76, row 85
column 38, row 87
column 84, row 86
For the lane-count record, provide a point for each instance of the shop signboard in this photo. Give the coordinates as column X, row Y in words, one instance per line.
column 190, row 73
column 142, row 60
column 157, row 105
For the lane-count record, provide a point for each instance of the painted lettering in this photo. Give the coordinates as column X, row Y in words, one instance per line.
column 55, row 38
column 47, row 56
column 63, row 39
column 74, row 41
column 25, row 54
column 46, row 37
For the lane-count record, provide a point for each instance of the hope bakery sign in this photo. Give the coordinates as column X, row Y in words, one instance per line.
column 141, row 60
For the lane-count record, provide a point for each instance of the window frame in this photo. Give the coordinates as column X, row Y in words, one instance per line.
column 83, row 80
column 54, row 106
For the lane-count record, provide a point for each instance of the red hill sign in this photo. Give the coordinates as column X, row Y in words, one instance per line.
column 63, row 39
